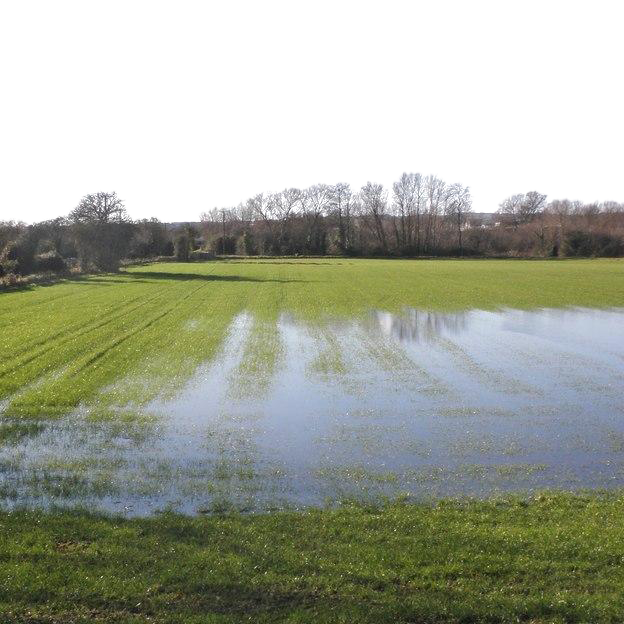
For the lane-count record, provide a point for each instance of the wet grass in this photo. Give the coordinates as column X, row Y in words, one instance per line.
column 71, row 343
column 554, row 558
column 109, row 345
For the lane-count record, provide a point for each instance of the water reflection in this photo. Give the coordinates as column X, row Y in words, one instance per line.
column 420, row 403
column 418, row 325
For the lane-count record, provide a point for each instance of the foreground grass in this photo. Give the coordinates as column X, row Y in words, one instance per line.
column 62, row 345
column 556, row 558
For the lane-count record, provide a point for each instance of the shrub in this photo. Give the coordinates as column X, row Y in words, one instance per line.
column 201, row 255
column 10, row 279
column 579, row 243
column 182, row 247
column 248, row 244
column 224, row 245
column 21, row 253
column 101, row 246
column 50, row 261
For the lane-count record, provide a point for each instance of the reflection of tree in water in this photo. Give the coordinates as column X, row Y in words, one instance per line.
column 418, row 325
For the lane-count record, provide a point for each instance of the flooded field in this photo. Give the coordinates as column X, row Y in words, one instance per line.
column 294, row 413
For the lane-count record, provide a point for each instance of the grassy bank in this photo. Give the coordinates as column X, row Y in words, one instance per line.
column 556, row 558
column 61, row 345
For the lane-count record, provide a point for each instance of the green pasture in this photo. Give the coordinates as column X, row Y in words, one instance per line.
column 552, row 559
column 103, row 346
column 71, row 343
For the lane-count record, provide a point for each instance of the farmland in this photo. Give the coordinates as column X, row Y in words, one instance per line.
column 62, row 345
column 318, row 397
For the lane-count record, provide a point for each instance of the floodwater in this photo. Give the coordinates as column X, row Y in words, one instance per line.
column 418, row 405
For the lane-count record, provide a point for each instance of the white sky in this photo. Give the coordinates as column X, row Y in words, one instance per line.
column 184, row 105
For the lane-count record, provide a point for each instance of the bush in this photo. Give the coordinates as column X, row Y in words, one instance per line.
column 579, row 243
column 201, row 255
column 609, row 246
column 101, row 246
column 168, row 249
column 20, row 253
column 224, row 245
column 248, row 244
column 182, row 247
column 50, row 261
column 10, row 279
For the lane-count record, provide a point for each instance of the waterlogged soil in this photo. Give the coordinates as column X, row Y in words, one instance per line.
column 291, row 414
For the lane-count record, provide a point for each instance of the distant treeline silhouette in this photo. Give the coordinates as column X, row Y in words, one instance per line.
column 420, row 216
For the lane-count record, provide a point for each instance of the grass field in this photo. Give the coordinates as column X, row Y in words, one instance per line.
column 62, row 345
column 554, row 559
column 99, row 349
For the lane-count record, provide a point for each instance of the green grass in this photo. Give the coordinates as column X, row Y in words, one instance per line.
column 114, row 342
column 555, row 558
column 150, row 327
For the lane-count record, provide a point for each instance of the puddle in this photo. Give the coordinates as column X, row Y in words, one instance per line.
column 417, row 404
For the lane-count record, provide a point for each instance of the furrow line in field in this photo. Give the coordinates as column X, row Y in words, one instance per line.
column 49, row 343
column 74, row 330
column 482, row 373
column 117, row 341
column 63, row 395
column 57, row 357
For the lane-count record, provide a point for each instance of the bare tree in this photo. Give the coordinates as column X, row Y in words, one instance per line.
column 259, row 206
column 99, row 208
column 458, row 205
column 211, row 216
column 341, row 204
column 374, row 204
column 281, row 207
column 102, row 230
column 435, row 192
column 407, row 196
column 315, row 203
column 509, row 209
column 522, row 208
column 533, row 204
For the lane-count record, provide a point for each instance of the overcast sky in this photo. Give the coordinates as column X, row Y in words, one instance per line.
column 181, row 105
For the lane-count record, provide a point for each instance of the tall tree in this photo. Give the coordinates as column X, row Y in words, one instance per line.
column 374, row 204
column 458, row 205
column 341, row 204
column 406, row 202
column 99, row 208
column 102, row 230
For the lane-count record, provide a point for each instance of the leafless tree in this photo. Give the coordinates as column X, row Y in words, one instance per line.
column 407, row 199
column 281, row 207
column 458, row 205
column 260, row 207
column 341, row 197
column 509, row 209
column 102, row 230
column 435, row 193
column 374, row 204
column 99, row 208
column 533, row 204
column 315, row 203
column 522, row 208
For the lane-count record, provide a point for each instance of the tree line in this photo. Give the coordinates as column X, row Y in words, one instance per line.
column 418, row 216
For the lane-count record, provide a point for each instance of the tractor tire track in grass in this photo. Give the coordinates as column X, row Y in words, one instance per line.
column 389, row 356
column 261, row 354
column 328, row 361
column 68, row 346
column 87, row 374
column 71, row 332
column 483, row 374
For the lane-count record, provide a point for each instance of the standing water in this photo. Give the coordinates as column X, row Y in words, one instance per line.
column 417, row 404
